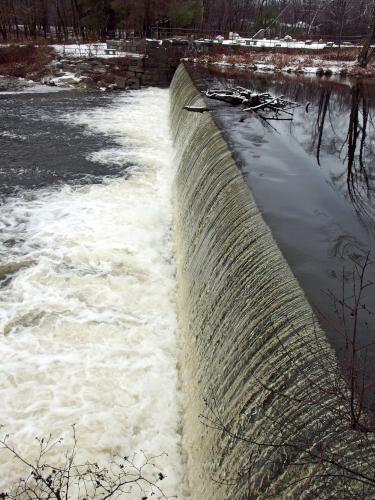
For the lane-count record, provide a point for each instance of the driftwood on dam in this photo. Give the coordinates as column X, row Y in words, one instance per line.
column 279, row 107
column 196, row 109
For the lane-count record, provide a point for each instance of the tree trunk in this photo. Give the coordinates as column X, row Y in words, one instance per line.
column 61, row 20
column 366, row 52
column 3, row 32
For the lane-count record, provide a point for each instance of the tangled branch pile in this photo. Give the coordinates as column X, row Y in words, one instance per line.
column 252, row 101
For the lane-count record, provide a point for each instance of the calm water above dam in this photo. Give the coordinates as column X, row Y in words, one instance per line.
column 313, row 179
column 87, row 308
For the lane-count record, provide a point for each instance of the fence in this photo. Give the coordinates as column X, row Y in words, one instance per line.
column 196, row 34
column 93, row 50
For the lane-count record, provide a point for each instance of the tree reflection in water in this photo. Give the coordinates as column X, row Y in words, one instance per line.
column 358, row 177
column 338, row 129
column 320, row 121
column 355, row 150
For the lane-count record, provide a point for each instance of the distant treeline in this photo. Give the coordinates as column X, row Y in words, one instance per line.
column 84, row 19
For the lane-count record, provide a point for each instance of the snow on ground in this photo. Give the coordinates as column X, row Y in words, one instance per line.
column 265, row 43
column 286, row 63
column 13, row 85
column 65, row 79
column 89, row 50
column 80, row 50
column 285, row 43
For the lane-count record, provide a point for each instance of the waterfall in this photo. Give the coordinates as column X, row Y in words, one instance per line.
column 263, row 392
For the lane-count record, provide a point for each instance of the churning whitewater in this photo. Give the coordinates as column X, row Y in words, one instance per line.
column 87, row 310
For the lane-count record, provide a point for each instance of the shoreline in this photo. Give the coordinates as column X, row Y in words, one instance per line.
column 278, row 62
column 48, row 66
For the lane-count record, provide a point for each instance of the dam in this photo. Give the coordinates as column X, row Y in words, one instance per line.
column 147, row 299
column 272, row 397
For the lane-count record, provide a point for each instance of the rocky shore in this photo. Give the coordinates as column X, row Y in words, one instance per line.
column 133, row 71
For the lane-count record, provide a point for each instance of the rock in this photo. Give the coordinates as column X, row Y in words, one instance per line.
column 100, row 69
column 136, row 63
column 133, row 83
column 120, row 82
column 90, row 84
column 83, row 66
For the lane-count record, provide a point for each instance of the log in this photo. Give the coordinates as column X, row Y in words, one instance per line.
column 263, row 105
column 230, row 98
column 196, row 109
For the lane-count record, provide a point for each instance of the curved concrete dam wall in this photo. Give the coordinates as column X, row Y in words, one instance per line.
column 266, row 411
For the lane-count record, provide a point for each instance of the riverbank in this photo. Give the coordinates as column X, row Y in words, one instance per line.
column 341, row 63
column 26, row 61
column 91, row 68
column 86, row 69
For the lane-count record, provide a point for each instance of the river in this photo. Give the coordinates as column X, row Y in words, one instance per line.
column 87, row 297
column 88, row 314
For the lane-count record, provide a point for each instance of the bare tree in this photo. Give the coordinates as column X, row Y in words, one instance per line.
column 70, row 479
column 334, row 451
column 366, row 52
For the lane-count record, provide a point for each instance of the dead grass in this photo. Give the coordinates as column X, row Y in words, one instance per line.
column 281, row 60
column 347, row 54
column 25, row 61
column 278, row 60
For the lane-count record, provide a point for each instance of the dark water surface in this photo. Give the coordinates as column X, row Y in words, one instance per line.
column 39, row 147
column 313, row 179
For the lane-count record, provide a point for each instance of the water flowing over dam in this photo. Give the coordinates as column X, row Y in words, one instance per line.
column 265, row 405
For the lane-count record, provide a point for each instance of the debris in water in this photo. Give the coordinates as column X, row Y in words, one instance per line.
column 253, row 101
column 196, row 109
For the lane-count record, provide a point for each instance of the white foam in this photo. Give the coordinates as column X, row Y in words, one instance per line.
column 111, row 156
column 67, row 78
column 89, row 321
column 12, row 135
column 29, row 87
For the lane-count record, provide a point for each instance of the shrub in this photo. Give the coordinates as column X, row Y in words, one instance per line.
column 25, row 61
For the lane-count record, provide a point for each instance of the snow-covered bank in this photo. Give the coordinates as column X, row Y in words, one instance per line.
column 69, row 66
column 287, row 63
column 85, row 68
column 87, row 50
column 286, row 43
